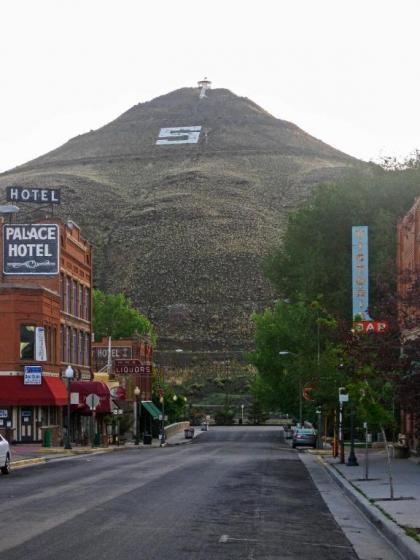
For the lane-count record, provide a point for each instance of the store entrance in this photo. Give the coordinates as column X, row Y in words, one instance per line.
column 26, row 424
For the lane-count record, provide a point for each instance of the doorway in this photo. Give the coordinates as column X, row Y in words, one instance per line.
column 26, row 424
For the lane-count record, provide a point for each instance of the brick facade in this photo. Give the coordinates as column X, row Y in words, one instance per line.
column 60, row 303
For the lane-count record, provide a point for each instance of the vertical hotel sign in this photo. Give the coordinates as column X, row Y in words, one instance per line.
column 360, row 270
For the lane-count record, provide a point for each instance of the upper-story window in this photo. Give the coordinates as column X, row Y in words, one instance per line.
column 75, row 347
column 81, row 348
column 27, row 342
column 87, row 349
column 62, row 282
column 87, row 304
column 75, row 298
column 68, row 294
column 81, row 290
column 62, row 344
column 68, row 345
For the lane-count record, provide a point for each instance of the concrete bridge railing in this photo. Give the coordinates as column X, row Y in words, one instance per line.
column 175, row 428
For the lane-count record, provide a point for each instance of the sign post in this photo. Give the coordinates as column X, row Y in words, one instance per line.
column 92, row 401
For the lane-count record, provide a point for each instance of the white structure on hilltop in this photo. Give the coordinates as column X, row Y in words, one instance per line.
column 204, row 85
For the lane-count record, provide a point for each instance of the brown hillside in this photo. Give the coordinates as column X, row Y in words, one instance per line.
column 182, row 229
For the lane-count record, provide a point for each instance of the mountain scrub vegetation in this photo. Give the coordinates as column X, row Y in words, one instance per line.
column 183, row 229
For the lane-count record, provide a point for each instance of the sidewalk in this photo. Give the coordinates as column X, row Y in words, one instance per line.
column 405, row 508
column 373, row 495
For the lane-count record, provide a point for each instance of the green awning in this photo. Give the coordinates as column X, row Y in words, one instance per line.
column 151, row 409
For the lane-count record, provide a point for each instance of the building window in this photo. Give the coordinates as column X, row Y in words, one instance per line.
column 87, row 304
column 44, row 416
column 75, row 347
column 68, row 294
column 48, row 342
column 53, row 345
column 81, row 290
column 62, row 281
column 87, row 349
column 53, row 415
column 62, row 341
column 81, row 348
column 75, row 298
column 68, row 346
column 27, row 342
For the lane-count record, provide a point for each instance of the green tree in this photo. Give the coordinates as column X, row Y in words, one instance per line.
column 295, row 346
column 314, row 255
column 114, row 315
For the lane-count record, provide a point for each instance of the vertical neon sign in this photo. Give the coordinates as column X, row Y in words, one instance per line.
column 360, row 272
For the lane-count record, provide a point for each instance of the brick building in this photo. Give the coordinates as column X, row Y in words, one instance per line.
column 45, row 324
column 408, row 269
column 136, row 348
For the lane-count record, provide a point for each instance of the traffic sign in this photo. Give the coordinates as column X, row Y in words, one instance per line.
column 92, row 401
column 307, row 392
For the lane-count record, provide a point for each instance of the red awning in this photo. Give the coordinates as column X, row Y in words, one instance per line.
column 85, row 388
column 13, row 392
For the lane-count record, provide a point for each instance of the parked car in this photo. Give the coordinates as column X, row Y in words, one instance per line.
column 4, row 456
column 305, row 437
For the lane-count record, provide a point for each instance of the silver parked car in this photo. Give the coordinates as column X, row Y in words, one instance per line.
column 304, row 437
column 5, row 456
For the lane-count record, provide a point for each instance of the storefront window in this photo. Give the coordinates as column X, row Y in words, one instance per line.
column 53, row 415
column 44, row 416
column 27, row 342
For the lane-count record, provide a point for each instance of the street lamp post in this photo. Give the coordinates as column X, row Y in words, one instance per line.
column 319, row 440
column 287, row 353
column 179, row 351
column 242, row 413
column 352, row 460
column 137, row 396
column 69, row 374
column 342, row 397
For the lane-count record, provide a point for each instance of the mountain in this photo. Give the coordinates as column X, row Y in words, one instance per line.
column 182, row 228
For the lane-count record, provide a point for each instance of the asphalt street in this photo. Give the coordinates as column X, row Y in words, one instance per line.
column 235, row 493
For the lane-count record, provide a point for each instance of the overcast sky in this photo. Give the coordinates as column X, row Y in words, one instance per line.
column 345, row 71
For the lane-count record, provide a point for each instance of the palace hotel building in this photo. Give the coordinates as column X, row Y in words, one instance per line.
column 45, row 324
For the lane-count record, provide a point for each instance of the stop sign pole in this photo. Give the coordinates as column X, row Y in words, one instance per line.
column 92, row 401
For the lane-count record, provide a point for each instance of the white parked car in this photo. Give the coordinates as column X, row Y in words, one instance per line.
column 4, row 456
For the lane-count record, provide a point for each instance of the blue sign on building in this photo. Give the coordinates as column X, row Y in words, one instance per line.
column 32, row 375
column 360, row 270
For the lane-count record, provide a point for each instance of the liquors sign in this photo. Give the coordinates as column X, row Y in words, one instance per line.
column 30, row 249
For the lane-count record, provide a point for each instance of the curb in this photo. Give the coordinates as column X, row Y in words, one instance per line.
column 24, row 462
column 409, row 548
